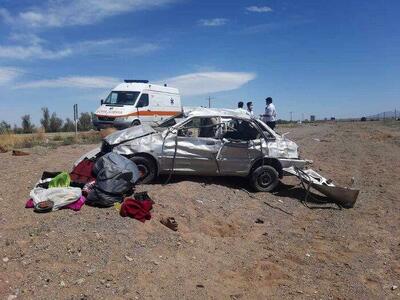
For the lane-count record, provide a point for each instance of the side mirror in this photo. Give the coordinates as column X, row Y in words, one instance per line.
column 101, row 101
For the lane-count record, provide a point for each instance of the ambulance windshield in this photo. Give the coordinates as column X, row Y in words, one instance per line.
column 121, row 98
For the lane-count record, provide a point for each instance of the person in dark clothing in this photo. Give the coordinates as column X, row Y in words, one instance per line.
column 240, row 104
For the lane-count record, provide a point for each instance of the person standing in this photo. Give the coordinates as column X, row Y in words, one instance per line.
column 250, row 108
column 270, row 113
column 240, row 107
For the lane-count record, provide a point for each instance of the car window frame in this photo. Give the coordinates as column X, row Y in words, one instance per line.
column 180, row 125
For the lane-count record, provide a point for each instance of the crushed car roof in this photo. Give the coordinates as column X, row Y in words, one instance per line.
column 210, row 112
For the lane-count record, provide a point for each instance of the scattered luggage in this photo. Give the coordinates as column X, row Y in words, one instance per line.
column 115, row 178
column 82, row 172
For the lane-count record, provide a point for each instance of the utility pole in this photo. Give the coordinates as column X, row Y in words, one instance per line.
column 209, row 101
column 291, row 116
column 76, row 119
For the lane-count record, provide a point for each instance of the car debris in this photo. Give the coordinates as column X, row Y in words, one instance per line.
column 217, row 142
column 344, row 197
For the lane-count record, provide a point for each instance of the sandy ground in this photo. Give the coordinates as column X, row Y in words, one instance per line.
column 219, row 251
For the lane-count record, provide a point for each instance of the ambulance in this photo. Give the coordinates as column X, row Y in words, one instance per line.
column 136, row 102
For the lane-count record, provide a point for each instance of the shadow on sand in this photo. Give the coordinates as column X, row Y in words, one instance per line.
column 314, row 200
column 317, row 201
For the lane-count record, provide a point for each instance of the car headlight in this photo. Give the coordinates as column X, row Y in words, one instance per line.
column 121, row 118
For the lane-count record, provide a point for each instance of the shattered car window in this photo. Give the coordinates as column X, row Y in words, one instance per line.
column 237, row 129
column 200, row 127
column 171, row 121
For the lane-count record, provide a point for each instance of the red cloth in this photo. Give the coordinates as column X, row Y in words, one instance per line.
column 139, row 210
column 82, row 173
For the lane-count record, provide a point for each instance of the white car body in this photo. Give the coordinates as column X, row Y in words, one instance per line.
column 135, row 102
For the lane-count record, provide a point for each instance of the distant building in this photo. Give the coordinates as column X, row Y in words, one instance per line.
column 312, row 118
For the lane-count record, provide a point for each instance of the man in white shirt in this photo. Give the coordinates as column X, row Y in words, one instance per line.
column 240, row 107
column 250, row 108
column 269, row 117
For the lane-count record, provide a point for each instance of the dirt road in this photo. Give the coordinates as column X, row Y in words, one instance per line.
column 219, row 251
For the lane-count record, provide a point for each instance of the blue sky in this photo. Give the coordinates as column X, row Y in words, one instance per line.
column 328, row 58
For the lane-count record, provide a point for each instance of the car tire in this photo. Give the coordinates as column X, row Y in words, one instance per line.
column 146, row 167
column 264, row 178
column 135, row 123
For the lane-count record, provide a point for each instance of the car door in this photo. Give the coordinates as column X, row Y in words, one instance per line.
column 196, row 149
column 239, row 148
column 143, row 109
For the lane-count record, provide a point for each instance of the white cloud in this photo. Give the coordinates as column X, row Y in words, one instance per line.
column 96, row 82
column 33, row 51
column 59, row 13
column 209, row 82
column 31, row 46
column 259, row 9
column 9, row 74
column 189, row 84
column 213, row 22
column 26, row 38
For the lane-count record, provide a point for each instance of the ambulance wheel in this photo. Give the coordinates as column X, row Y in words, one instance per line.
column 135, row 123
column 264, row 178
column 147, row 168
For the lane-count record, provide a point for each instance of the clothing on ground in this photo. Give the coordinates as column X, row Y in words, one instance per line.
column 60, row 196
column 75, row 206
column 83, row 171
column 139, row 210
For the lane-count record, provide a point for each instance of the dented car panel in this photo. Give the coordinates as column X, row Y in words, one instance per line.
column 216, row 148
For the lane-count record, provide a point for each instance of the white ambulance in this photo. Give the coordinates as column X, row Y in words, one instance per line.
column 137, row 102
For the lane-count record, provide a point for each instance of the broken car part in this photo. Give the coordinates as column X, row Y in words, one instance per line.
column 343, row 196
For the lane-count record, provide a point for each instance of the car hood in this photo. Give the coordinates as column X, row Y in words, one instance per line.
column 130, row 133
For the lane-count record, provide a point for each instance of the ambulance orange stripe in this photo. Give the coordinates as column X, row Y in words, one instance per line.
column 144, row 113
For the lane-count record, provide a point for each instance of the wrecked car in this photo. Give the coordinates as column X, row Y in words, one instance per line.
column 208, row 142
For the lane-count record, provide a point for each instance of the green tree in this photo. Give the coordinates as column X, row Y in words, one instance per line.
column 27, row 126
column 17, row 130
column 45, row 121
column 69, row 125
column 85, row 122
column 5, row 127
column 55, row 123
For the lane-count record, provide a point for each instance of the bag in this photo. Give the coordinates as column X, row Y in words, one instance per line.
column 82, row 172
column 115, row 177
column 59, row 196
column 61, row 180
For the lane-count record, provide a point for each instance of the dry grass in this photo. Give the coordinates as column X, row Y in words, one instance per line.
column 107, row 131
column 11, row 141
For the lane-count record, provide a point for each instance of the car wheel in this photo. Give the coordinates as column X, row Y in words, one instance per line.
column 147, row 168
column 135, row 123
column 264, row 178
